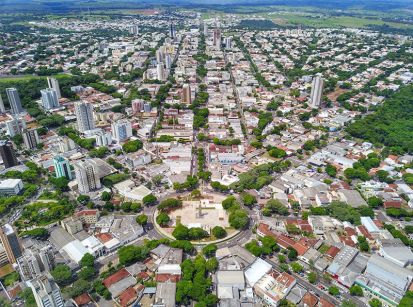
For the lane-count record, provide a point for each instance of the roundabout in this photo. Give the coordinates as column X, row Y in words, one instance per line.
column 203, row 215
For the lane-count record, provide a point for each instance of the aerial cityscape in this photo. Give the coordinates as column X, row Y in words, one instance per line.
column 206, row 153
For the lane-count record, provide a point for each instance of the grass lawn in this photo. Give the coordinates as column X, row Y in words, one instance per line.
column 324, row 21
column 28, row 77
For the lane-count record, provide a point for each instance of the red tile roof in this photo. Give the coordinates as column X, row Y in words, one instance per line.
column 104, row 237
column 363, row 230
column 332, row 251
column 87, row 212
column 128, row 296
column 82, row 299
column 350, row 231
column 114, row 278
column 392, row 204
column 310, row 300
column 347, row 241
column 301, row 249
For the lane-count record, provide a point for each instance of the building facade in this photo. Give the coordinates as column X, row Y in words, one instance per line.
column 7, row 154
column 84, row 116
column 62, row 167
column 49, row 99
column 87, row 176
column 54, row 84
column 46, row 292
column 316, row 91
column 122, row 130
column 31, row 138
column 14, row 100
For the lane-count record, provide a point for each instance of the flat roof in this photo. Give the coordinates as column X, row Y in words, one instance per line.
column 9, row 183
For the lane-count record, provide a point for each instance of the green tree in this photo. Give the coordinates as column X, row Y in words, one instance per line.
column 149, row 200
column 296, row 267
column 374, row 202
column 212, row 264
column 87, row 273
column 106, row 196
column 238, row 219
column 292, row 254
column 163, row 219
column 356, row 290
column 62, row 274
column 209, row 250
column 248, row 199
column 375, row 303
column 331, row 170
column 132, row 146
column 333, row 290
column 142, row 219
column 87, row 261
column 219, row 232
column 312, row 277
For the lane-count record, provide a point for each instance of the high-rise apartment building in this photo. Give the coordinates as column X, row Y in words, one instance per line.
column 15, row 126
column 2, row 108
column 10, row 242
column 316, row 91
column 36, row 260
column 217, row 37
column 87, row 176
column 160, row 71
column 62, row 167
column 172, row 32
column 14, row 100
column 84, row 116
column 186, row 94
column 46, row 292
column 8, row 154
column 205, row 29
column 31, row 138
column 134, row 29
column 122, row 130
column 49, row 99
column 54, row 84
column 137, row 105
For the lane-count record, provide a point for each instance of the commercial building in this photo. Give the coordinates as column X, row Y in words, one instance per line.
column 165, row 294
column 84, row 116
column 385, row 279
column 316, row 91
column 10, row 242
column 49, row 99
column 11, row 187
column 87, row 176
column 31, row 138
column 7, row 154
column 395, row 251
column 14, row 100
column 62, row 167
column 46, row 292
column 54, row 84
column 122, row 130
